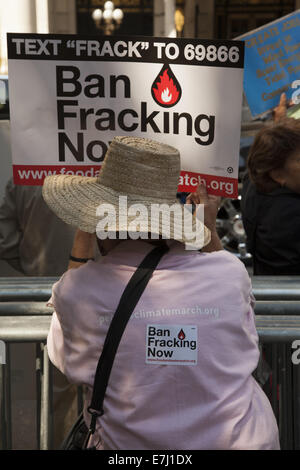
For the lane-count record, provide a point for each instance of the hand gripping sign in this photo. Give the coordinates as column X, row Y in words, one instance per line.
column 70, row 95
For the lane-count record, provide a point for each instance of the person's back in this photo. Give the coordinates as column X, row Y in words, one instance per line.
column 32, row 238
column 212, row 403
column 181, row 377
column 271, row 223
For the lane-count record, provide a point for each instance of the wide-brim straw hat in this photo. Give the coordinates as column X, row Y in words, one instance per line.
column 146, row 172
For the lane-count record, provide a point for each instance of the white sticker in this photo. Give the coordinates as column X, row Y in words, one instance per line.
column 172, row 344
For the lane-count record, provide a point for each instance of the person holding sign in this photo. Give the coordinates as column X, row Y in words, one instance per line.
column 182, row 373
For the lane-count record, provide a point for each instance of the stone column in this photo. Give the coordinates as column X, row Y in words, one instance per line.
column 170, row 30
column 159, row 16
column 164, row 24
column 199, row 19
column 62, row 16
column 42, row 16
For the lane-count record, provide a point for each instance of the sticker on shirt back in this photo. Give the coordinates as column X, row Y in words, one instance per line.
column 171, row 344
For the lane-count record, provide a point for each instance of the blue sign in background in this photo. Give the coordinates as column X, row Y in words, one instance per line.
column 272, row 62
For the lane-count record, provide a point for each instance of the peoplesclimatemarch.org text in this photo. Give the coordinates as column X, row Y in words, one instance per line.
column 213, row 312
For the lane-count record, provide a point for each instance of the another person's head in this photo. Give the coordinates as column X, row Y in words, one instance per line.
column 274, row 158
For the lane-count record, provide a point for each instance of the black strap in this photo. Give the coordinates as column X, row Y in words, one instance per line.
column 127, row 304
column 80, row 260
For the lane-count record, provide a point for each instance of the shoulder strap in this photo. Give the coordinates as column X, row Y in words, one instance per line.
column 128, row 301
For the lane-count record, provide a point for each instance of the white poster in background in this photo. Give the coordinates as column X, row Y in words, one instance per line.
column 70, row 97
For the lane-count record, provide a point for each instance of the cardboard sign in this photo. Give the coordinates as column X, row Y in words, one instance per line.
column 71, row 95
column 272, row 62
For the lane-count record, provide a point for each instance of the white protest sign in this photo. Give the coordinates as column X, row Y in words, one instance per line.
column 70, row 96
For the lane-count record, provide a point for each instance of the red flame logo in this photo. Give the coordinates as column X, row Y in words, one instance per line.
column 165, row 89
column 181, row 334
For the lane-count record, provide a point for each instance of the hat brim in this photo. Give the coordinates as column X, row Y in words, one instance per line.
column 76, row 200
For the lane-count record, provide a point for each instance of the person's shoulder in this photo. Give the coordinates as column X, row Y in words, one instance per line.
column 72, row 282
column 287, row 196
column 229, row 259
column 225, row 265
column 221, row 258
column 230, row 270
column 285, row 203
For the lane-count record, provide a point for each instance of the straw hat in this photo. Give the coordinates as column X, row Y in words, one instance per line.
column 145, row 171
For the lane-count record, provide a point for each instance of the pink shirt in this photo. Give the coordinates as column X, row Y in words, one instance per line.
column 209, row 400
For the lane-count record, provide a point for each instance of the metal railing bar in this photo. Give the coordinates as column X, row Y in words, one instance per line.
column 276, row 294
column 8, row 403
column 290, row 404
column 278, row 321
column 45, row 427
column 43, row 294
column 264, row 287
column 38, row 368
column 11, row 309
column 24, row 329
column 286, row 408
column 267, row 280
column 281, row 401
column 263, row 308
column 3, row 427
column 278, row 308
column 28, row 280
column 274, row 359
column 273, row 335
column 15, row 328
column 13, row 295
column 296, row 402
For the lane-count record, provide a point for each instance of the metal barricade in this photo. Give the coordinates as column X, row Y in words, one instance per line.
column 24, row 317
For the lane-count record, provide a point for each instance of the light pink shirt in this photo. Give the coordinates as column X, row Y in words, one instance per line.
column 215, row 404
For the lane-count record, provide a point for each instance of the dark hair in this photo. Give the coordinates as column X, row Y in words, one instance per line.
column 272, row 146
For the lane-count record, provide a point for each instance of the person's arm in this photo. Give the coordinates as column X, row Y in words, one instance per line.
column 10, row 231
column 211, row 205
column 83, row 248
column 214, row 244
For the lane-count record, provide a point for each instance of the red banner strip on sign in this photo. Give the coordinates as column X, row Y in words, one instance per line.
column 218, row 185
column 33, row 175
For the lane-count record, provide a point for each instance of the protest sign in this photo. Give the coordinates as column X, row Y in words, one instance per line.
column 71, row 95
column 272, row 62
